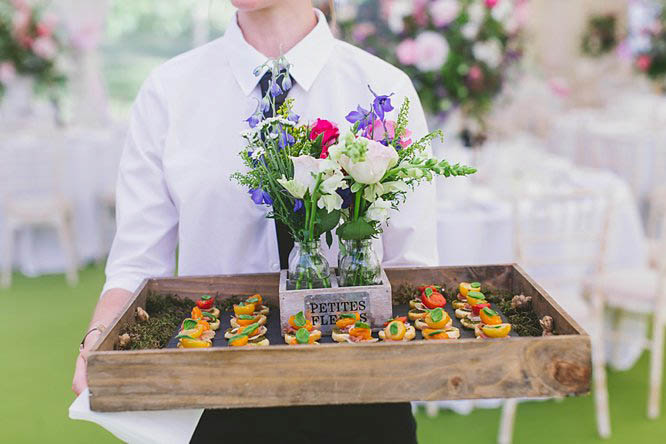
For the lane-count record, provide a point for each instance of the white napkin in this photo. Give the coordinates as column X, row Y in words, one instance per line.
column 163, row 426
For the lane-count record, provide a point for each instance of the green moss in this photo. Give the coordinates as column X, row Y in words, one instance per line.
column 404, row 294
column 523, row 322
column 166, row 314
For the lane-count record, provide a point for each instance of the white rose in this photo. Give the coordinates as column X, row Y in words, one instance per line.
column 378, row 159
column 489, row 52
column 333, row 183
column 433, row 50
column 330, row 201
column 444, row 12
column 379, row 210
column 294, row 187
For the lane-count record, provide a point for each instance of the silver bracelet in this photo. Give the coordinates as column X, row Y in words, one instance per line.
column 100, row 328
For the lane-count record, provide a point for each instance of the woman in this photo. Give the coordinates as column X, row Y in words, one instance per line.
column 174, row 188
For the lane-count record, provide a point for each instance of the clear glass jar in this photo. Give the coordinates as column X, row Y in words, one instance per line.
column 308, row 268
column 359, row 265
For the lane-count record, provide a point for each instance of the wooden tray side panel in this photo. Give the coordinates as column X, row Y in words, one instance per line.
column 543, row 304
column 266, row 284
column 109, row 338
column 340, row 374
column 494, row 275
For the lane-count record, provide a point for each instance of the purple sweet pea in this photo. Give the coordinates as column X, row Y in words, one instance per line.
column 253, row 120
column 381, row 104
column 362, row 116
column 260, row 197
column 298, row 205
column 286, row 82
column 293, row 117
column 285, row 139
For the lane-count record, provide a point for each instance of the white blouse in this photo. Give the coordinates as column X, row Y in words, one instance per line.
column 174, row 187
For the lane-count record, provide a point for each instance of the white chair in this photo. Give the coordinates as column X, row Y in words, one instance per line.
column 656, row 216
column 560, row 239
column 30, row 195
column 641, row 291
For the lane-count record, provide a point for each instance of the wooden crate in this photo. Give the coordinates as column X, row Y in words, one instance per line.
column 281, row 375
column 376, row 298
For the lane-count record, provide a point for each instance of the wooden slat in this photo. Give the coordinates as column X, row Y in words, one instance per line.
column 340, row 374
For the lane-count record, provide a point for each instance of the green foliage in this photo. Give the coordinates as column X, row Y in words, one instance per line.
column 600, row 35
column 358, row 229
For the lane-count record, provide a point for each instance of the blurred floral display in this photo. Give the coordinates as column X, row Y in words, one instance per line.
column 652, row 60
column 457, row 52
column 30, row 46
column 600, row 36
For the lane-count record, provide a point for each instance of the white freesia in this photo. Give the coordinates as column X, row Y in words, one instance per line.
column 294, row 187
column 379, row 210
column 333, row 183
column 378, row 159
column 331, row 202
column 396, row 186
column 306, row 168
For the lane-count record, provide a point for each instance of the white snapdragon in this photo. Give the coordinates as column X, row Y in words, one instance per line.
column 331, row 202
column 294, row 187
column 379, row 210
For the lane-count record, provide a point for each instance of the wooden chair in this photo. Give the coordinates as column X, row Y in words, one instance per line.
column 30, row 195
column 560, row 239
column 656, row 216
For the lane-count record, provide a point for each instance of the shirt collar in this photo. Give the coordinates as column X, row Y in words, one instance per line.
column 307, row 58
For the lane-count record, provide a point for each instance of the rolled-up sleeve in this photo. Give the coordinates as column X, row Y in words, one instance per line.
column 146, row 217
column 410, row 239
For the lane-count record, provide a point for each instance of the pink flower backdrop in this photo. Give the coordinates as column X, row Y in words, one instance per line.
column 29, row 46
column 652, row 59
column 458, row 53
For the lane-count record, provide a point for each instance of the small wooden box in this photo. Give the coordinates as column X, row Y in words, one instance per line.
column 282, row 375
column 322, row 305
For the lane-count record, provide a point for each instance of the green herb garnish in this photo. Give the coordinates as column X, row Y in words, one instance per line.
column 393, row 328
column 184, row 337
column 205, row 297
column 476, row 295
column 250, row 329
column 246, row 317
column 252, row 300
column 428, row 291
column 347, row 316
column 299, row 319
column 360, row 324
column 210, row 315
column 436, row 332
column 189, row 324
column 489, row 311
column 302, row 336
column 237, row 337
column 475, row 285
column 437, row 315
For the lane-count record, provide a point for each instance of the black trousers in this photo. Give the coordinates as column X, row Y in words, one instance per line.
column 341, row 424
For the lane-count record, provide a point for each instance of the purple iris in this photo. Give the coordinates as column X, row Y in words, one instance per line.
column 275, row 89
column 362, row 116
column 347, row 197
column 253, row 120
column 293, row 117
column 298, row 205
column 259, row 196
column 381, row 104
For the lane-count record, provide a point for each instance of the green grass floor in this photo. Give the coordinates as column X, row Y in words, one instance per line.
column 42, row 320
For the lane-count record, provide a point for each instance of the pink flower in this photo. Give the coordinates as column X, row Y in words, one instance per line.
column 444, row 12
column 433, row 50
column 644, row 62
column 559, row 86
column 407, row 52
column 475, row 74
column 490, row 4
column 21, row 21
column 7, row 72
column 45, row 48
column 363, row 30
column 330, row 132
column 380, row 134
column 46, row 26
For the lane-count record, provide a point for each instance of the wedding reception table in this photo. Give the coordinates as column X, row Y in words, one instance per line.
column 89, row 160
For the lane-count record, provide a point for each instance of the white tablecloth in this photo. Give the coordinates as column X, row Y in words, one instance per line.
column 628, row 137
column 90, row 161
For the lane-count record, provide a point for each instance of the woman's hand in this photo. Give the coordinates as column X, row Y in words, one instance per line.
column 80, row 381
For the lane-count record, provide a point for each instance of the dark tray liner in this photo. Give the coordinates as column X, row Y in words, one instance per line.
column 275, row 338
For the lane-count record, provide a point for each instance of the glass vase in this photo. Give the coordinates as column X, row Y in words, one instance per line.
column 359, row 265
column 308, row 268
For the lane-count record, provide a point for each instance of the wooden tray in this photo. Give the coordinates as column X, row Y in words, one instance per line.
column 281, row 375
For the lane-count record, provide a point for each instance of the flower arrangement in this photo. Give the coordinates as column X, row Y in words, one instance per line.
column 652, row 59
column 457, row 52
column 315, row 180
column 600, row 36
column 29, row 46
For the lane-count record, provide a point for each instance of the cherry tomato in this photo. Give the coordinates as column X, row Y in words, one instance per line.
column 478, row 307
column 432, row 299
column 402, row 319
column 206, row 302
